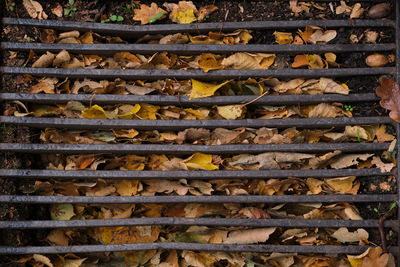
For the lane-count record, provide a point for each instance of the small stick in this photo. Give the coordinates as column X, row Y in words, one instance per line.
column 255, row 99
column 382, row 231
column 98, row 15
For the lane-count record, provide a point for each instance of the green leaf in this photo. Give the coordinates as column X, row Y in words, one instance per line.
column 392, row 206
column 66, row 11
column 71, row 2
column 113, row 18
column 62, row 212
column 120, row 18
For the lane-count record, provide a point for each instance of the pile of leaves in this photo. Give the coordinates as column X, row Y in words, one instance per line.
column 163, row 60
column 183, row 12
column 74, row 109
column 221, row 136
column 199, row 161
column 194, row 88
column 173, row 258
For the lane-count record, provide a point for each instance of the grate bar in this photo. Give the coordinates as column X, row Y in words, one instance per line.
column 184, row 100
column 47, row 224
column 124, row 30
column 190, row 175
column 196, row 199
column 137, row 74
column 168, row 125
column 190, row 49
column 174, row 149
column 323, row 249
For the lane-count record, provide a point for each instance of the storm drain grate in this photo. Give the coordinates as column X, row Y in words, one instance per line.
column 142, row 149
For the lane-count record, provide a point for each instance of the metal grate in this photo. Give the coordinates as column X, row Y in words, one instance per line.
column 128, row 31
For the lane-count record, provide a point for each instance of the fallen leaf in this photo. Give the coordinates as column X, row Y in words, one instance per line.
column 250, row 236
column 34, row 9
column 356, row 132
column 208, row 62
column 48, row 36
column 73, row 262
column 58, row 237
column 62, row 212
column 384, row 167
column 343, row 8
column 295, row 8
column 283, row 37
column 357, row 11
column 205, row 11
column 325, row 110
column 127, row 187
column 382, row 136
column 202, row 89
column 200, row 161
column 149, row 14
column 320, row 37
column 342, row 185
column 376, row 258
column 232, row 112
column 94, row 112
column 42, row 259
column 389, row 92
column 58, row 11
column 183, row 12
column 44, row 61
column 62, row 58
column 244, row 60
column 46, row 85
column 344, row 236
column 349, row 160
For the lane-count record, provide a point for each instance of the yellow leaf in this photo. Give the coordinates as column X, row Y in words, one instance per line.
column 127, row 187
column 231, row 112
column 94, row 112
column 196, row 113
column 131, row 111
column 134, row 163
column 138, row 258
column 242, row 60
column 147, row 112
column 209, row 62
column 183, row 12
column 202, row 89
column 200, row 161
column 283, row 37
column 355, row 262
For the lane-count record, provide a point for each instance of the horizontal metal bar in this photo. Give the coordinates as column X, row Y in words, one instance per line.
column 191, row 175
column 124, row 30
column 137, row 74
column 190, row 49
column 174, row 149
column 184, row 100
column 47, row 224
column 170, row 125
column 196, row 199
column 323, row 249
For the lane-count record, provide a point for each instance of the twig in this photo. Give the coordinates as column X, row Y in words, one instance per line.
column 98, row 15
column 382, row 231
column 255, row 99
column 222, row 24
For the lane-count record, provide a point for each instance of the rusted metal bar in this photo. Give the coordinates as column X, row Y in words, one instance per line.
column 47, row 224
column 137, row 74
column 171, row 125
column 190, row 49
column 184, row 100
column 198, row 175
column 188, row 149
column 197, row 199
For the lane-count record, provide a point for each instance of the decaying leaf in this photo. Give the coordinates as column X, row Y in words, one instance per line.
column 384, row 167
column 62, row 212
column 44, row 61
column 149, row 14
column 389, row 92
column 250, row 236
column 42, row 259
column 244, row 60
column 208, row 62
column 344, row 236
column 204, row 11
column 283, row 37
column 184, row 12
column 231, row 112
column 34, row 9
column 349, row 160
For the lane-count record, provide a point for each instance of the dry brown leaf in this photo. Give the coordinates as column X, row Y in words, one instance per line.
column 344, row 236
column 149, row 14
column 250, row 236
column 58, row 237
column 46, row 85
column 208, row 62
column 375, row 258
column 343, row 8
column 283, row 37
column 389, row 92
column 244, row 60
column 384, row 167
column 62, row 58
column 231, row 112
column 357, row 11
column 382, row 136
column 343, row 185
column 356, row 132
column 44, row 61
column 349, row 160
column 58, row 11
column 322, row 37
column 70, row 34
column 34, row 9
column 325, row 110
column 204, row 11
column 295, row 8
